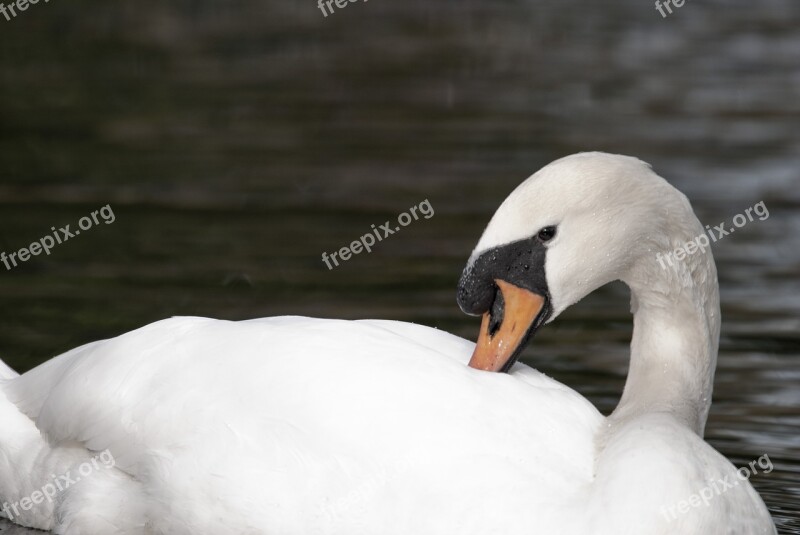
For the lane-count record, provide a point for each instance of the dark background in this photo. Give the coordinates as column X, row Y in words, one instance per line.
column 237, row 141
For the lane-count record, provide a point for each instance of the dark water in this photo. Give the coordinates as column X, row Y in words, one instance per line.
column 235, row 143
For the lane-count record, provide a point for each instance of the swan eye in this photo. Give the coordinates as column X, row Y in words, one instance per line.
column 547, row 234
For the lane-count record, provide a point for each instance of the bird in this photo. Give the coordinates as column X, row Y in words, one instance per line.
column 301, row 426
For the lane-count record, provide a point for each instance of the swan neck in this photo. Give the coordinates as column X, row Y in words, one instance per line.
column 674, row 344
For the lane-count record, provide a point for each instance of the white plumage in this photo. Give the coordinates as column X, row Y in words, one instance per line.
column 299, row 426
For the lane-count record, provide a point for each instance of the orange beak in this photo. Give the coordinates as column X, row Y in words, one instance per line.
column 497, row 348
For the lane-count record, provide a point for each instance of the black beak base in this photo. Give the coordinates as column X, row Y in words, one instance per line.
column 521, row 264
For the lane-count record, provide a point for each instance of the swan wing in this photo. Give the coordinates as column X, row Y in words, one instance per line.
column 306, row 422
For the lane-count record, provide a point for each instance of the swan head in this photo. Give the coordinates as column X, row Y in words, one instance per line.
column 577, row 224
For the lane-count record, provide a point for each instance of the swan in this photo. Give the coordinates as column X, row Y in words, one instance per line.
column 299, row 426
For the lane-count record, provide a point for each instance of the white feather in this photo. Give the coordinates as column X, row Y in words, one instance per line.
column 304, row 426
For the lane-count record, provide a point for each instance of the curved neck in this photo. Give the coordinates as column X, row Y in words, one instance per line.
column 675, row 341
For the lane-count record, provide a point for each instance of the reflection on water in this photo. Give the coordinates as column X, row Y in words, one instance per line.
column 238, row 142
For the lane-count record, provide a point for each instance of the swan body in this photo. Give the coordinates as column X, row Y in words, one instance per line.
column 303, row 426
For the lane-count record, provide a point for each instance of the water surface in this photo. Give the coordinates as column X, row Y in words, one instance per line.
column 236, row 143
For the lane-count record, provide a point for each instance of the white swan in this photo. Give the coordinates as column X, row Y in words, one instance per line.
column 297, row 426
